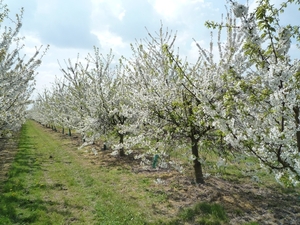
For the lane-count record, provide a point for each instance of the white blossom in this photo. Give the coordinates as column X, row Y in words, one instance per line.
column 239, row 10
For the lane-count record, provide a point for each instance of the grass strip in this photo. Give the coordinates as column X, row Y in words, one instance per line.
column 47, row 184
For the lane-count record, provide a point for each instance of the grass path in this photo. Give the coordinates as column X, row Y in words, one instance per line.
column 48, row 184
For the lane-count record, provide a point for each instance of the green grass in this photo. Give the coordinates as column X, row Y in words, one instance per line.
column 48, row 184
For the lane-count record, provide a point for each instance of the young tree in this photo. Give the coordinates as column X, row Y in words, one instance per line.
column 169, row 111
column 114, row 106
column 77, row 99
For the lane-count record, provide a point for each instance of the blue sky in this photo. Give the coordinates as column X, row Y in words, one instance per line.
column 75, row 26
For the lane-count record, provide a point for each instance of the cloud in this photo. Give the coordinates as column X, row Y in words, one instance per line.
column 168, row 9
column 109, row 40
column 180, row 10
column 127, row 19
column 59, row 23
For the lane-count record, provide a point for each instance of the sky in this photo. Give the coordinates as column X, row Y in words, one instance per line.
column 72, row 27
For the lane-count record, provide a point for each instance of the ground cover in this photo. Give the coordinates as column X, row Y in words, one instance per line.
column 50, row 181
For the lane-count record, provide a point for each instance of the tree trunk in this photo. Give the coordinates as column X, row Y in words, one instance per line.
column 122, row 152
column 70, row 132
column 63, row 130
column 296, row 111
column 197, row 164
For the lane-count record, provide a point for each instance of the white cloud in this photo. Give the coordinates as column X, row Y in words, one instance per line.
column 108, row 40
column 168, row 8
column 172, row 9
column 114, row 8
column 121, row 15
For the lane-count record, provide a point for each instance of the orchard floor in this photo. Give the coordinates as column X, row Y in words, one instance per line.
column 244, row 201
column 8, row 149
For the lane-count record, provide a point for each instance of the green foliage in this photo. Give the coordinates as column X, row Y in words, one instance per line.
column 213, row 25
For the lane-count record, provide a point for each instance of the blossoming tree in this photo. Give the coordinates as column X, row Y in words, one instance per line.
column 259, row 111
column 16, row 75
column 170, row 113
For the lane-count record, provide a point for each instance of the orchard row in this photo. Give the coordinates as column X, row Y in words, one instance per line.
column 242, row 92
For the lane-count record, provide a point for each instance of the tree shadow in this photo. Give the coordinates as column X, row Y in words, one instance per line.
column 8, row 150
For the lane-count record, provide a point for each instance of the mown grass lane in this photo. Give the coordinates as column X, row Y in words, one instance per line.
column 50, row 184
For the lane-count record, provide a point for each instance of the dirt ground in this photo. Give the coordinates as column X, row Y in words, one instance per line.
column 243, row 202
